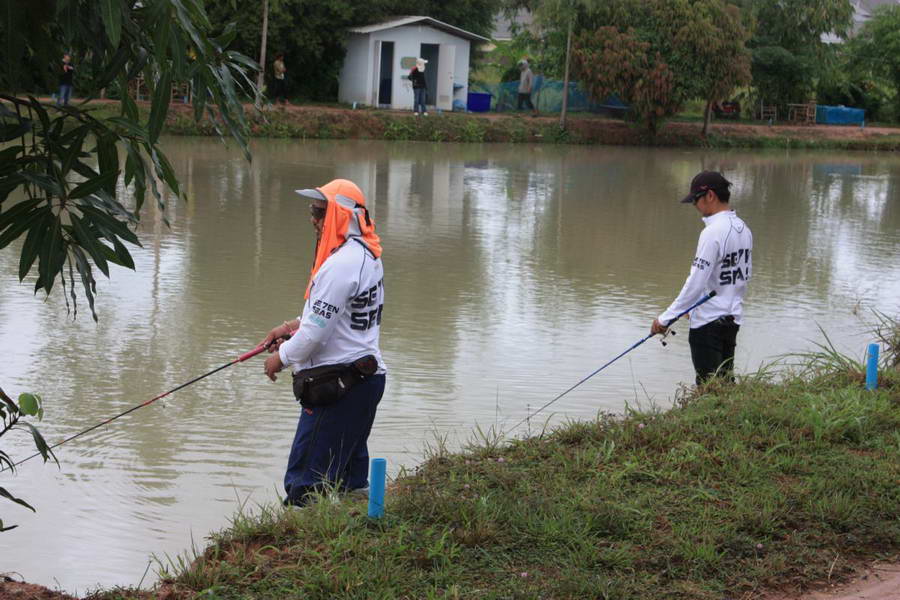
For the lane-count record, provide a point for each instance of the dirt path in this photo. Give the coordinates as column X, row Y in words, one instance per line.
column 878, row 582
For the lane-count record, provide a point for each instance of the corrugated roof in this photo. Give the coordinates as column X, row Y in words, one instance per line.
column 411, row 20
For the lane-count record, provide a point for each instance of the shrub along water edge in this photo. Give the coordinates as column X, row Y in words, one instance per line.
column 315, row 122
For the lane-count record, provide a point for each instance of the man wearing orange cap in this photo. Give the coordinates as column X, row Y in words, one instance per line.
column 338, row 371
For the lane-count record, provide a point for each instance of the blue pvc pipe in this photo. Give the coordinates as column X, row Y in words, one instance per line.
column 872, row 368
column 376, row 488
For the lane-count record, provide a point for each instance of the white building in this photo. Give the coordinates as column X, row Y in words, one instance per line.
column 379, row 58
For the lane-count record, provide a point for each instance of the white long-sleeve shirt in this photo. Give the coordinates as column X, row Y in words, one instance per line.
column 341, row 319
column 723, row 263
column 526, row 81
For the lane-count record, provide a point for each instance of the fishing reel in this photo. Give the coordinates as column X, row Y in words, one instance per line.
column 663, row 336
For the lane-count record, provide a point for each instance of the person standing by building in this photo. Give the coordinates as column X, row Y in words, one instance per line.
column 338, row 371
column 66, row 77
column 279, row 84
column 526, row 85
column 723, row 264
column 419, row 86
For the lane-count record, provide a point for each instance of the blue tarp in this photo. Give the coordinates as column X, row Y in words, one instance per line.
column 839, row 115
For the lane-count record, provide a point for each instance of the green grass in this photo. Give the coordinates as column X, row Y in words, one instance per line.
column 737, row 490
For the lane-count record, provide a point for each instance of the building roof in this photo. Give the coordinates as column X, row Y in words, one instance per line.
column 401, row 21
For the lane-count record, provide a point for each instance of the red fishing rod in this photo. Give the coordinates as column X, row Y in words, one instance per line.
column 239, row 359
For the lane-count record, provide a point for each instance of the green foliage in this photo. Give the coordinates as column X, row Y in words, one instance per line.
column 473, row 130
column 61, row 166
column 798, row 24
column 787, row 46
column 876, row 50
column 847, row 81
column 658, row 54
column 12, row 417
column 782, row 76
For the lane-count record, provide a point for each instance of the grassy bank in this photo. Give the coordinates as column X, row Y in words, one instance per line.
column 329, row 122
column 737, row 491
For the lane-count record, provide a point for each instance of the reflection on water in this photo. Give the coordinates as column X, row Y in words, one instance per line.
column 513, row 271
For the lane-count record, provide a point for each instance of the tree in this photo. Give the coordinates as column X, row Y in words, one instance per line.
column 60, row 167
column 723, row 57
column 657, row 54
column 610, row 61
column 787, row 47
column 876, row 49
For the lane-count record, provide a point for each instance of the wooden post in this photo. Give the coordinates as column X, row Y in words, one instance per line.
column 262, row 54
column 565, row 98
column 706, row 114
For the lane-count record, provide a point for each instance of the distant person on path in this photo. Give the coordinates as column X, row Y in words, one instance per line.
column 723, row 263
column 420, row 87
column 338, row 372
column 279, row 85
column 66, row 76
column 526, row 84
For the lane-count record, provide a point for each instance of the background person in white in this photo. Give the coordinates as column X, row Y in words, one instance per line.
column 723, row 263
column 338, row 329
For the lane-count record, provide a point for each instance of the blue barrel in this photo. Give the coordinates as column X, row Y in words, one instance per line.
column 478, row 102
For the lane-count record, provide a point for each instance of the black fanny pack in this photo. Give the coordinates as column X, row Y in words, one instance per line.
column 321, row 386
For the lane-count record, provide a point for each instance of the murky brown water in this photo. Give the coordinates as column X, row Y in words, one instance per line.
column 512, row 272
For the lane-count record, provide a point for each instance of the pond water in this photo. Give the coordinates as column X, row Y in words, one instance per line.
column 512, row 271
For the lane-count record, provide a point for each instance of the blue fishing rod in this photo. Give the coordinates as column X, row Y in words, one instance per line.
column 633, row 346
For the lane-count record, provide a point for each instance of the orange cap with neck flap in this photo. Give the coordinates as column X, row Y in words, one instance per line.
column 346, row 217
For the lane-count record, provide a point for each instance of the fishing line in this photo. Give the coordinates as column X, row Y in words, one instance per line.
column 239, row 359
column 632, row 347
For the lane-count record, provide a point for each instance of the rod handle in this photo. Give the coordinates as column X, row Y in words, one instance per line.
column 262, row 347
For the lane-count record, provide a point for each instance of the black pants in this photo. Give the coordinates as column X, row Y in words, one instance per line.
column 278, row 90
column 712, row 348
column 525, row 99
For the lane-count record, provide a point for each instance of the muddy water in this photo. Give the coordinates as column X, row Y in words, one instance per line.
column 511, row 272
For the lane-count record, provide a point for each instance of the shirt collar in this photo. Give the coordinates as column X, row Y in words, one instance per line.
column 723, row 214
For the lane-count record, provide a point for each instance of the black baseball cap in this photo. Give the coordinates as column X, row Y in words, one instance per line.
column 705, row 181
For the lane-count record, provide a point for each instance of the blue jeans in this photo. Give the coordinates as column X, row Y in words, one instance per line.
column 65, row 92
column 330, row 446
column 420, row 95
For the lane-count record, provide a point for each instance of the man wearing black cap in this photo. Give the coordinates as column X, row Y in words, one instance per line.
column 723, row 264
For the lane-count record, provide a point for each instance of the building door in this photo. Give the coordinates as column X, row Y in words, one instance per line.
column 431, row 53
column 386, row 74
column 446, row 67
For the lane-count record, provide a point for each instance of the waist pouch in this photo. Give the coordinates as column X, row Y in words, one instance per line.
column 321, row 386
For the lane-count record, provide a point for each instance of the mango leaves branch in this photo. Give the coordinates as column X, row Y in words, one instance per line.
column 66, row 190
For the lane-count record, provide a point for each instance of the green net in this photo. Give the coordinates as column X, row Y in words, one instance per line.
column 547, row 96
